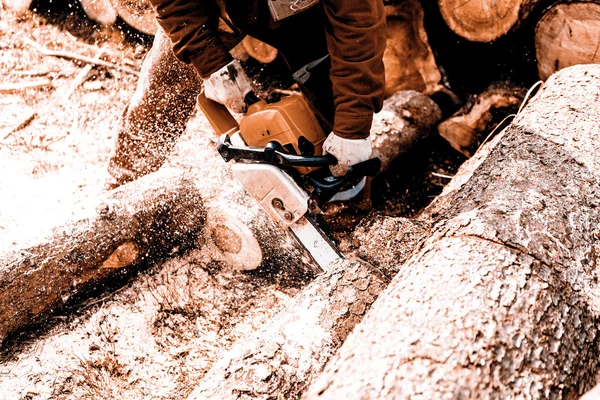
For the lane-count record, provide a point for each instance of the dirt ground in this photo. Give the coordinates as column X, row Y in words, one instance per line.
column 159, row 334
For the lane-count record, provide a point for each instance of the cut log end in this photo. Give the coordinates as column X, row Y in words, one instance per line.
column 465, row 130
column 481, row 21
column 231, row 241
column 568, row 34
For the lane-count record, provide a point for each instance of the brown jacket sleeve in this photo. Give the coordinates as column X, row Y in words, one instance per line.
column 192, row 27
column 356, row 42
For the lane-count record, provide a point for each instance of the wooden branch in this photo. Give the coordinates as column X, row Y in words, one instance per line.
column 26, row 121
column 81, row 76
column 567, row 35
column 501, row 300
column 78, row 57
column 11, row 87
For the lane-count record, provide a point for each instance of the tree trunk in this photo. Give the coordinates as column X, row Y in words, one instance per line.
column 282, row 358
column 408, row 59
column 568, row 34
column 485, row 20
column 466, row 128
column 502, row 300
column 138, row 223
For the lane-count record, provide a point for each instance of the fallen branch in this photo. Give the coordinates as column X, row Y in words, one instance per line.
column 21, row 125
column 78, row 57
column 81, row 76
column 11, row 87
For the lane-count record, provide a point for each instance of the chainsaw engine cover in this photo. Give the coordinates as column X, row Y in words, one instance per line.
column 284, row 122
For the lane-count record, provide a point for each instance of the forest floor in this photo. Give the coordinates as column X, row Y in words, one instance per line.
column 156, row 336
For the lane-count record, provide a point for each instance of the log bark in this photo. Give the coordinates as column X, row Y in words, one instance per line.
column 486, row 20
column 282, row 358
column 468, row 127
column 408, row 59
column 407, row 119
column 138, row 223
column 502, row 300
column 568, row 34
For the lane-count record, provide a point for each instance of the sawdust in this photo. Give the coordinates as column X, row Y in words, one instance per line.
column 157, row 336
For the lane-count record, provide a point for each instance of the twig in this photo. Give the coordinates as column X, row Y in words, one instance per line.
column 441, row 175
column 22, row 125
column 10, row 87
column 78, row 57
column 81, row 76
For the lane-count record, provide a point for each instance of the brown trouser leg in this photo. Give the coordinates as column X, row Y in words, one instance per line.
column 156, row 115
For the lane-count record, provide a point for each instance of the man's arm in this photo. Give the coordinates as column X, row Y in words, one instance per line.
column 192, row 27
column 356, row 41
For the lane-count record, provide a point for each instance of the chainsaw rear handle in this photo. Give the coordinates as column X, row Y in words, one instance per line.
column 273, row 153
column 322, row 185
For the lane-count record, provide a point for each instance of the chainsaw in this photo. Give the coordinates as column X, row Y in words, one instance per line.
column 279, row 162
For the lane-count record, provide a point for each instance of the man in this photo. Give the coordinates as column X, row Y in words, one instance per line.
column 344, row 40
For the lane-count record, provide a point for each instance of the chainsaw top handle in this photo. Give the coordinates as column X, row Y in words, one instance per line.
column 273, row 153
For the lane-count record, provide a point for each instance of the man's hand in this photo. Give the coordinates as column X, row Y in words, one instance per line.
column 229, row 86
column 347, row 151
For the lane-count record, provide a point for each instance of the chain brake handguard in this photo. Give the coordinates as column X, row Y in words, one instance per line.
column 321, row 185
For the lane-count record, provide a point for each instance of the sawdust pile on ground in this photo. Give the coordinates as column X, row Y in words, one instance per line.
column 156, row 337
column 60, row 155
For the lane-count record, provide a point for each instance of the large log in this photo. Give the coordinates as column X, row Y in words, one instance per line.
column 502, row 300
column 138, row 223
column 568, row 34
column 485, row 20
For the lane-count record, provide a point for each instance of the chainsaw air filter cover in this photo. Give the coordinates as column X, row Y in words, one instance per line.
column 285, row 122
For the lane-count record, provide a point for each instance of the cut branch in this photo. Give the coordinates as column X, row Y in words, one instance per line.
column 79, row 57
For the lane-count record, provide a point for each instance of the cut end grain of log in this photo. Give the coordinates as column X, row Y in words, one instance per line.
column 484, row 20
column 568, row 34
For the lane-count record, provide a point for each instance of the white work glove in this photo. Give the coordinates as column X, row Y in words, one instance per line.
column 229, row 86
column 347, row 151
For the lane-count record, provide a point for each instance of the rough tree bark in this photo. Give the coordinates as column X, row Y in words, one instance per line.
column 407, row 118
column 464, row 130
column 140, row 222
column 283, row 358
column 485, row 20
column 568, row 34
column 502, row 300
